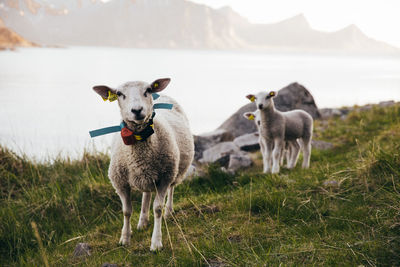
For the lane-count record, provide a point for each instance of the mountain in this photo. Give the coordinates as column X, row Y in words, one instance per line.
column 10, row 39
column 171, row 24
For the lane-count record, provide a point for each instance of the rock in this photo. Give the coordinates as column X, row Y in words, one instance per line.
column 321, row 145
column 207, row 140
column 238, row 161
column 219, row 153
column 293, row 96
column 386, row 103
column 82, row 249
column 327, row 113
column 331, row 183
column 248, row 142
column 109, row 265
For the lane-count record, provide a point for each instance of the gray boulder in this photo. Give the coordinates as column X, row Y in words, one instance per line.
column 82, row 249
column 321, row 145
column 205, row 141
column 238, row 161
column 293, row 96
column 219, row 153
column 248, row 142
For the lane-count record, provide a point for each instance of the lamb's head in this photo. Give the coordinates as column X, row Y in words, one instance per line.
column 263, row 99
column 134, row 98
column 253, row 116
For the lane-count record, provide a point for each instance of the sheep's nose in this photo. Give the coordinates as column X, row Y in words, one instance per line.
column 260, row 106
column 137, row 111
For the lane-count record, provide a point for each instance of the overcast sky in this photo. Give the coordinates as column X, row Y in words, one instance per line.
column 379, row 19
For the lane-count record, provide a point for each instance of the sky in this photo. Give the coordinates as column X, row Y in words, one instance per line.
column 378, row 19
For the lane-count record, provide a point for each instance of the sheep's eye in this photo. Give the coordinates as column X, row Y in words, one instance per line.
column 120, row 94
column 147, row 91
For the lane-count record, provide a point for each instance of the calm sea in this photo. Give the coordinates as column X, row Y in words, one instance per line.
column 48, row 106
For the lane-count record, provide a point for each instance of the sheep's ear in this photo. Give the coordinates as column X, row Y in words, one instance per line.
column 249, row 115
column 159, row 85
column 272, row 94
column 252, row 98
column 105, row 92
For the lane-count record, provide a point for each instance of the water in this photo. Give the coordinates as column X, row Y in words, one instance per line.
column 48, row 106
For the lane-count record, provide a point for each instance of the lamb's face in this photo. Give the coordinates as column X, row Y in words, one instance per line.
column 254, row 116
column 135, row 101
column 263, row 99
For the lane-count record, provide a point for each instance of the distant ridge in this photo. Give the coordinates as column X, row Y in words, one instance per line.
column 173, row 24
column 10, row 39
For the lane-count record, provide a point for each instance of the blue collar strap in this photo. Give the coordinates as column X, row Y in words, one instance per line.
column 117, row 128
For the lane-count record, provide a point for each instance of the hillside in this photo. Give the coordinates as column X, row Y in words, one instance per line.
column 10, row 39
column 173, row 24
column 343, row 211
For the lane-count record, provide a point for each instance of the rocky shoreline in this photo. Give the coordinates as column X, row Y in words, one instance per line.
column 230, row 144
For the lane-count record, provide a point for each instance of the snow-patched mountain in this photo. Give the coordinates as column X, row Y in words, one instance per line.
column 171, row 24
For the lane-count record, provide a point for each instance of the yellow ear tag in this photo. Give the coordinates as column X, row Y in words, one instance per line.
column 251, row 117
column 112, row 97
column 253, row 98
column 272, row 93
column 155, row 85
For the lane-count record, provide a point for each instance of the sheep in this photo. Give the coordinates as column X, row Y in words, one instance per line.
column 156, row 164
column 276, row 127
column 286, row 150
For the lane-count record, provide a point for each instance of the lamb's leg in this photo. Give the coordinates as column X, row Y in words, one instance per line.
column 169, row 209
column 158, row 205
column 306, row 153
column 295, row 149
column 289, row 151
column 276, row 154
column 125, row 195
column 267, row 156
column 144, row 212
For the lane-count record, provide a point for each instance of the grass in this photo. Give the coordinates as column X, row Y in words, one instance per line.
column 344, row 210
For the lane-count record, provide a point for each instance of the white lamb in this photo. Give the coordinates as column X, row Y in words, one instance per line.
column 287, row 150
column 154, row 164
column 278, row 127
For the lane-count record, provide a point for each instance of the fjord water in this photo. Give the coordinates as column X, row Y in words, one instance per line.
column 48, row 106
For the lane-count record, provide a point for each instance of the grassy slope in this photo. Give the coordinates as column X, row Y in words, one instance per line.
column 246, row 219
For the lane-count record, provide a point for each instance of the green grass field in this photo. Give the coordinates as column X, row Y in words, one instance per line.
column 247, row 219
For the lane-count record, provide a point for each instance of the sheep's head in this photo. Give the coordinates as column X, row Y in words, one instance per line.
column 134, row 98
column 253, row 116
column 263, row 99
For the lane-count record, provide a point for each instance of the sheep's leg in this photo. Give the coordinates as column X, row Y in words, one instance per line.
column 267, row 156
column 283, row 153
column 306, row 153
column 295, row 147
column 144, row 212
column 158, row 205
column 276, row 154
column 125, row 195
column 289, row 151
column 169, row 209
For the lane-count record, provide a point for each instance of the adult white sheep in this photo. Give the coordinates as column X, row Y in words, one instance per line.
column 276, row 127
column 157, row 161
column 287, row 149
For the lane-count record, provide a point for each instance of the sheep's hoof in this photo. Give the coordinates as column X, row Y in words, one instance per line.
column 142, row 225
column 168, row 213
column 156, row 246
column 124, row 241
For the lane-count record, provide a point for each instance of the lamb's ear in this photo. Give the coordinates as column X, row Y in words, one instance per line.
column 159, row 85
column 104, row 91
column 273, row 94
column 252, row 98
column 249, row 115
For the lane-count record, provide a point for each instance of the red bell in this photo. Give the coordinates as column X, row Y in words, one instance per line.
column 127, row 136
